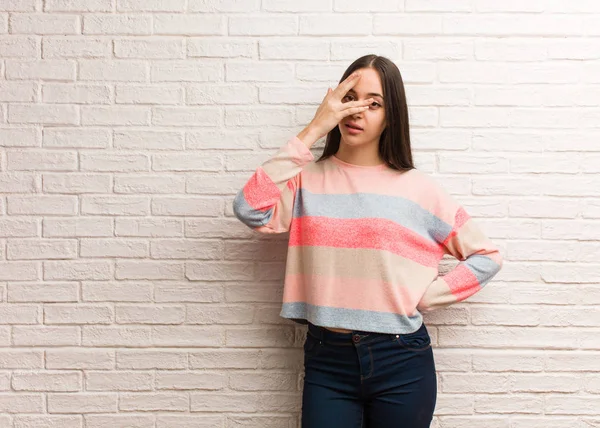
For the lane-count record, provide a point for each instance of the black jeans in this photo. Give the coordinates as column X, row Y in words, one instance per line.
column 365, row 379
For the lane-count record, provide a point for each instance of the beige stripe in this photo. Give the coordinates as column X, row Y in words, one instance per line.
column 358, row 263
column 470, row 239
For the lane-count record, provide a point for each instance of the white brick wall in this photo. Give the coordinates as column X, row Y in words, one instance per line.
column 130, row 296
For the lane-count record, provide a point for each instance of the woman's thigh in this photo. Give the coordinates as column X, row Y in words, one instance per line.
column 403, row 389
column 331, row 396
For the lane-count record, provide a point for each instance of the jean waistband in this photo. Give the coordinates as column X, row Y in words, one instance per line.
column 327, row 335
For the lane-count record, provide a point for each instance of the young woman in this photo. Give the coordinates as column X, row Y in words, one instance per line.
column 367, row 232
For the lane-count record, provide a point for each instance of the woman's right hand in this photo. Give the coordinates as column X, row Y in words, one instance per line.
column 332, row 110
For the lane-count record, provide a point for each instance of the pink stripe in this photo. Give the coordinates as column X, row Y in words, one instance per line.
column 349, row 293
column 462, row 282
column 370, row 233
column 260, row 192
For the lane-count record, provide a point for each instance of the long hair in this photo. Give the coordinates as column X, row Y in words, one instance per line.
column 394, row 143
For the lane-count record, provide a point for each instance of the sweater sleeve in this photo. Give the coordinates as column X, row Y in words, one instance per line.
column 480, row 259
column 266, row 202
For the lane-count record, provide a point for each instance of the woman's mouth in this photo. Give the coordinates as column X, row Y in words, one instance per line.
column 353, row 131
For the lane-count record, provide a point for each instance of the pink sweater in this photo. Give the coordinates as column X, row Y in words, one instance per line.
column 364, row 241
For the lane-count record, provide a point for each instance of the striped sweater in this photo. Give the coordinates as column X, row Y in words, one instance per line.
column 365, row 242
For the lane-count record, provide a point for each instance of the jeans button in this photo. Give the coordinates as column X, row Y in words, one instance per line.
column 356, row 338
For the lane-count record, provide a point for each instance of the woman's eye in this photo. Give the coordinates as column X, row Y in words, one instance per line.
column 373, row 104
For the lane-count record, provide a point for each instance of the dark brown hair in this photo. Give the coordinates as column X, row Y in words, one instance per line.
column 394, row 143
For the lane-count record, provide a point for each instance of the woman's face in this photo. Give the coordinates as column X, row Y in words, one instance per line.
column 372, row 120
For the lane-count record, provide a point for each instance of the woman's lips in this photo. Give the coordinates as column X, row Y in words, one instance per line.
column 353, row 131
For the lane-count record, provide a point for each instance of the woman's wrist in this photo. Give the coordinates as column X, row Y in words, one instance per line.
column 308, row 136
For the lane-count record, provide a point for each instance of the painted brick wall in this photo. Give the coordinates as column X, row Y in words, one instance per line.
column 132, row 297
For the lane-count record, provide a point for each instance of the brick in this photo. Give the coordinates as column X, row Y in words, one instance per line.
column 21, row 136
column 151, row 359
column 149, row 184
column 229, row 47
column 121, row 24
column 78, row 6
column 262, row 72
column 282, row 49
column 76, row 183
column 121, row 291
column 190, row 25
column 23, row 23
column 150, row 270
column 82, row 403
column 149, row 94
column 75, row 270
column 113, row 70
column 76, row 138
column 438, row 6
column 150, row 49
column 42, row 205
column 214, row 314
column 133, row 336
column 178, row 336
column 77, row 227
column 51, row 69
column 175, row 249
column 19, row 47
column 151, row 227
column 47, row 381
column 17, row 182
column 223, row 6
column 66, row 47
column 124, row 421
column 374, row 6
column 115, row 115
column 45, row 292
column 37, row 249
column 119, row 381
column 21, row 403
column 346, row 24
column 187, row 71
column 46, row 336
column 349, row 50
column 78, row 314
column 114, row 162
column 22, row 359
column 20, row 314
column 43, row 114
column 150, row 5
column 407, row 24
column 45, row 160
column 79, row 94
column 18, row 6
column 74, row 359
column 154, row 401
column 263, row 25
column 204, row 207
column 113, row 205
column 150, row 314
column 186, row 116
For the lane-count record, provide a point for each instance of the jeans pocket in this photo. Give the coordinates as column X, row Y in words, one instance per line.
column 416, row 341
column 311, row 345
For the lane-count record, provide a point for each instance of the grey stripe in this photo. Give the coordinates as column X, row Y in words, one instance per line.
column 359, row 205
column 352, row 319
column 482, row 267
column 248, row 215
